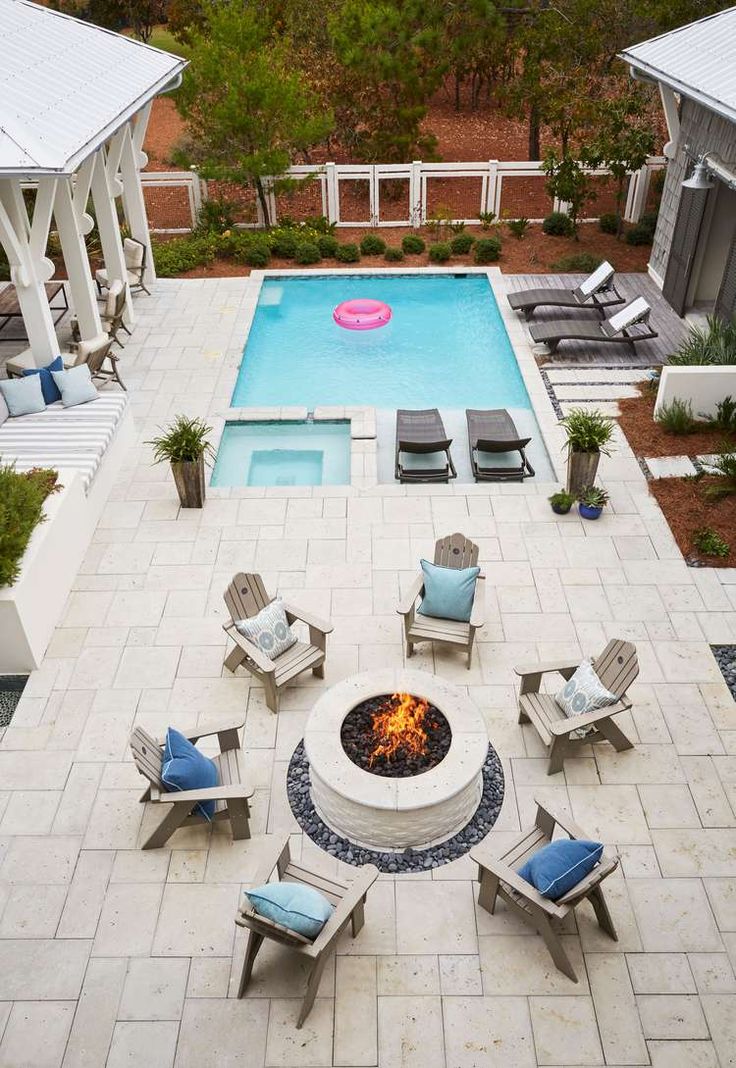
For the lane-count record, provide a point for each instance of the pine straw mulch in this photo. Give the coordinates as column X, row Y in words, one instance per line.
column 648, row 438
column 687, row 510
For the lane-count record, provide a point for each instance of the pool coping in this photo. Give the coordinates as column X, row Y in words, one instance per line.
column 364, row 445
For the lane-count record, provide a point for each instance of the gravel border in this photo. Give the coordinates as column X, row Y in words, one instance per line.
column 726, row 659
column 11, row 690
column 410, row 860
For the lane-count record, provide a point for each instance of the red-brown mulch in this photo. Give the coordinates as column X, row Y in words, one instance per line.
column 648, row 438
column 687, row 510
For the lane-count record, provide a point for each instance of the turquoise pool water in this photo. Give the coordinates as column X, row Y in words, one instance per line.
column 283, row 454
column 446, row 346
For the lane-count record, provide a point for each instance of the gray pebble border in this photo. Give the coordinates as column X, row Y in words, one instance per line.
column 11, row 689
column 300, row 800
column 726, row 659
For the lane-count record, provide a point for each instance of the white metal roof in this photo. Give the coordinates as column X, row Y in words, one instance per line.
column 698, row 60
column 66, row 86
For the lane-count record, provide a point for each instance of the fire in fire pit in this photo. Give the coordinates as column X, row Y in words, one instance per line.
column 395, row 735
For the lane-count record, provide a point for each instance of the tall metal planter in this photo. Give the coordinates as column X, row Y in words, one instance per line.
column 582, row 468
column 189, row 479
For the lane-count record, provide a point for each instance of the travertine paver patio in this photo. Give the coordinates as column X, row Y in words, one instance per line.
column 112, row 956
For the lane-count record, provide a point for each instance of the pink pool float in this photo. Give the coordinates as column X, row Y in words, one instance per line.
column 362, row 314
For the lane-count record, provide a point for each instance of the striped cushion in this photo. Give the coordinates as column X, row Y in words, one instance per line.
column 74, row 438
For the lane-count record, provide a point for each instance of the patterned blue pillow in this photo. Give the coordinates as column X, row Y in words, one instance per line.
column 269, row 630
column 294, row 905
column 584, row 692
column 559, row 866
column 186, row 768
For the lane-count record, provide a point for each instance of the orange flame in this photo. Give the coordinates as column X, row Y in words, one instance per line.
column 400, row 726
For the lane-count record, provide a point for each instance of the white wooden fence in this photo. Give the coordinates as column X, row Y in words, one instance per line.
column 417, row 176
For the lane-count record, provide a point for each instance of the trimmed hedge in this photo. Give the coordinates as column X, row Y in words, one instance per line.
column 328, row 245
column 487, row 250
column 393, row 254
column 413, row 245
column 22, row 496
column 558, row 224
column 348, row 254
column 372, row 245
column 308, row 252
column 440, row 252
column 183, row 254
column 461, row 244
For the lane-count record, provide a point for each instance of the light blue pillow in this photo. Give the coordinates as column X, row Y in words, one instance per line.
column 559, row 866
column 269, row 630
column 584, row 692
column 301, row 908
column 448, row 591
column 48, row 387
column 75, row 385
column 186, row 768
column 23, row 396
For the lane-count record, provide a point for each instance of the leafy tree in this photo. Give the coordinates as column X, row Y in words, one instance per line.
column 248, row 111
column 185, row 17
column 393, row 53
column 567, row 181
column 476, row 37
column 623, row 142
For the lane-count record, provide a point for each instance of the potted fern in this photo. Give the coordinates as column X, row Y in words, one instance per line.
column 185, row 445
column 588, row 434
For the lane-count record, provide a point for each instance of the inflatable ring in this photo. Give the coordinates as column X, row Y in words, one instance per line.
column 362, row 314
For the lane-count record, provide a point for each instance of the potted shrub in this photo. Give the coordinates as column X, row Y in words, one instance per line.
column 561, row 502
column 186, row 447
column 588, row 434
column 591, row 501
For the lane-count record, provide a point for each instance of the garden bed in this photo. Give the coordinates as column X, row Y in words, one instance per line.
column 648, row 438
column 687, row 510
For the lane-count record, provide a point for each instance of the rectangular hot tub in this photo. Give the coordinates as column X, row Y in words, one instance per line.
column 284, row 454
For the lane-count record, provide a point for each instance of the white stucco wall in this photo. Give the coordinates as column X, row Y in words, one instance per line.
column 704, row 387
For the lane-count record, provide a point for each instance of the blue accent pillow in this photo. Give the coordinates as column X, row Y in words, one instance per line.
column 448, row 591
column 299, row 907
column 48, row 387
column 23, row 396
column 559, row 866
column 185, row 768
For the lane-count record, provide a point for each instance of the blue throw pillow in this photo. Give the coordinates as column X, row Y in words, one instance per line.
column 448, row 591
column 559, row 866
column 23, row 396
column 293, row 905
column 185, row 768
column 48, row 387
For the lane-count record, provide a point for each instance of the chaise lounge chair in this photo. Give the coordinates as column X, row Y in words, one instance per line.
column 626, row 326
column 495, row 432
column 596, row 292
column 422, row 433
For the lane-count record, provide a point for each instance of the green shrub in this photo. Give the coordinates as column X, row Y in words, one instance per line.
column 254, row 254
column 486, row 219
column 319, row 224
column 327, row 245
column 348, row 253
column 724, row 467
column 578, row 262
column 559, row 224
column 22, row 495
column 284, row 243
column 649, row 221
column 725, row 417
column 215, row 216
column 413, row 244
column 714, row 343
column 709, row 542
column 372, row 245
column 677, row 417
column 307, row 252
column 638, row 235
column 183, row 254
column 440, row 252
column 608, row 222
column 393, row 254
column 518, row 227
column 487, row 250
column 587, row 430
column 462, row 243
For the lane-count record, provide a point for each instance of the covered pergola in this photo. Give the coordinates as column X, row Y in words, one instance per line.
column 75, row 101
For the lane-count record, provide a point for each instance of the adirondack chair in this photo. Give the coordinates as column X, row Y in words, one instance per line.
column 245, row 597
column 616, row 667
column 231, row 795
column 348, row 899
column 455, row 550
column 498, row 878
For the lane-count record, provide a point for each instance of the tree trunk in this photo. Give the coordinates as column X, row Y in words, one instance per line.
column 457, row 91
column 263, row 201
column 534, row 146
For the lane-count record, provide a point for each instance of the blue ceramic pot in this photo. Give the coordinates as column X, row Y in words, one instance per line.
column 587, row 511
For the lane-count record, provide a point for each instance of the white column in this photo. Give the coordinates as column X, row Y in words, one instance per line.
column 491, row 186
column 133, row 158
column 25, row 247
column 105, row 186
column 333, row 202
column 415, row 194
column 77, row 262
column 672, row 118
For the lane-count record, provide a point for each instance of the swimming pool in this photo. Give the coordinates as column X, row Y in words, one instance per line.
column 283, row 454
column 446, row 346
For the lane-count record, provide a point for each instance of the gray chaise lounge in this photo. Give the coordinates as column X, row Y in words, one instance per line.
column 627, row 326
column 596, row 292
column 494, row 431
column 422, row 433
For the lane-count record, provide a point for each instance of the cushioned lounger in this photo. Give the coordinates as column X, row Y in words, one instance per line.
column 422, row 433
column 627, row 326
column 596, row 292
column 491, row 432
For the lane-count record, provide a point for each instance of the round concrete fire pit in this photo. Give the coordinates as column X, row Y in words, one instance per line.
column 395, row 813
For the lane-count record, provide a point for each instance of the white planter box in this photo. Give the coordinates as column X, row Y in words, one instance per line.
column 30, row 609
column 703, row 387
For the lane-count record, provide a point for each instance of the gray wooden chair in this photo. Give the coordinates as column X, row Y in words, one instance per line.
column 134, row 252
column 616, row 667
column 457, row 551
column 498, row 877
column 348, row 899
column 99, row 357
column 112, row 314
column 231, row 796
column 245, row 597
